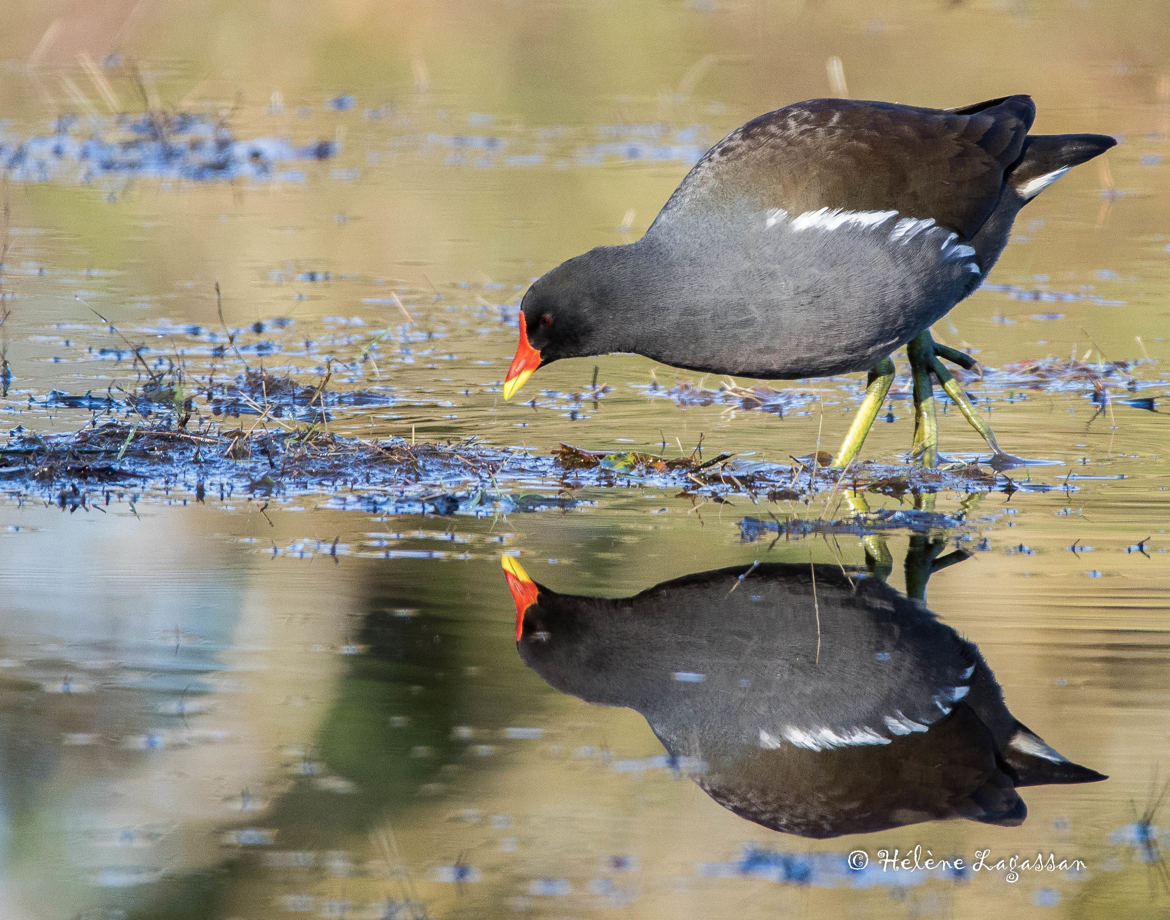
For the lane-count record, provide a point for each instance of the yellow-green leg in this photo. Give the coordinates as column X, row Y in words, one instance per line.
column 920, row 351
column 955, row 392
column 877, row 386
column 966, row 407
column 924, row 354
column 877, row 554
column 970, row 413
column 955, row 356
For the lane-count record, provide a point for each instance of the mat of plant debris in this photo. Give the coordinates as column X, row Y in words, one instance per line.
column 158, row 459
column 185, row 434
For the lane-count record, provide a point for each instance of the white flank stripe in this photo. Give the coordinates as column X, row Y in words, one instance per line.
column 768, row 741
column 821, row 738
column 835, row 218
column 1034, row 187
column 904, row 231
column 901, row 724
column 909, row 227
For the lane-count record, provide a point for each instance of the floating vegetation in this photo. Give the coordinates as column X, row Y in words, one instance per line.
column 87, row 144
column 1098, row 381
column 174, row 145
column 761, row 396
column 1060, row 374
column 166, row 455
column 256, row 392
column 824, row 870
column 509, row 148
column 913, row 520
column 99, row 464
column 629, row 461
column 1018, row 292
column 206, row 418
column 724, row 475
column 1049, row 374
column 573, row 405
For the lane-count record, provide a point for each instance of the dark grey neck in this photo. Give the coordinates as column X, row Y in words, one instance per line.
column 611, row 286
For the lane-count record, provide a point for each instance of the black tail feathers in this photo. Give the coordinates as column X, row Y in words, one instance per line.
column 1020, row 107
column 1035, row 763
column 1047, row 157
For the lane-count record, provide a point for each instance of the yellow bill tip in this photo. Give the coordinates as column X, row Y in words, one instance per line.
column 512, row 384
column 513, row 568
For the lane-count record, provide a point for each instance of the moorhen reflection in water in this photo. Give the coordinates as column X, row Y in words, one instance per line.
column 815, row 701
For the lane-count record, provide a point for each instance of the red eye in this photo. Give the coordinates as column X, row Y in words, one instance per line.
column 546, row 319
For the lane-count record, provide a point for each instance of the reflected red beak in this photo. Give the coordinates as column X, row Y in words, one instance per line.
column 523, row 588
column 526, row 361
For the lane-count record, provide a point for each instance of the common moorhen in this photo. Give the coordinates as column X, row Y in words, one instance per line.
column 814, row 240
column 802, row 697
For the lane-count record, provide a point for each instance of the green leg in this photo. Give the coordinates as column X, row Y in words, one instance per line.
column 955, row 356
column 878, row 558
column 920, row 351
column 970, row 413
column 955, row 392
column 924, row 555
column 877, row 386
column 925, row 501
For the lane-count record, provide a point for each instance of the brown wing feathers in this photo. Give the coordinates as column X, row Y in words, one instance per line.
column 862, row 156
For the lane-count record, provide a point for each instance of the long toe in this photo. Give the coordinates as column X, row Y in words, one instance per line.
column 961, row 358
column 1000, row 459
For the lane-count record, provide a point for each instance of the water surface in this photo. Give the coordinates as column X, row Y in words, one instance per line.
column 306, row 700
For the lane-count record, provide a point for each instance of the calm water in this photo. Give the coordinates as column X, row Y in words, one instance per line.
column 270, row 704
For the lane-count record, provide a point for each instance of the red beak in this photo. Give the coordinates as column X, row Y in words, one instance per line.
column 526, row 361
column 523, row 588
